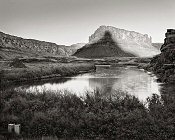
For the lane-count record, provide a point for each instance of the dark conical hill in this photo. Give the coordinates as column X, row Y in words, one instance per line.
column 105, row 47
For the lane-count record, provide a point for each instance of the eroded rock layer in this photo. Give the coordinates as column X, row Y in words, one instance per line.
column 13, row 46
column 129, row 41
column 164, row 64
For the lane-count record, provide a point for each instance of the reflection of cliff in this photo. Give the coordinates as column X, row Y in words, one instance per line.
column 105, row 84
column 104, row 79
column 137, row 83
column 134, row 82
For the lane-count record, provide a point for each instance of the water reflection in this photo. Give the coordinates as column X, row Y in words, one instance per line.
column 107, row 80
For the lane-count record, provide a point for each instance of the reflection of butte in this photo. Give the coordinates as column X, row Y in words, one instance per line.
column 104, row 84
column 131, row 79
column 136, row 83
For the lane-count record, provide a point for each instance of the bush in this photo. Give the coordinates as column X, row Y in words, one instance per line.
column 66, row 115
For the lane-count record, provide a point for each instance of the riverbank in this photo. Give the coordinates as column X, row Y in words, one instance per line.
column 41, row 70
column 66, row 116
column 30, row 69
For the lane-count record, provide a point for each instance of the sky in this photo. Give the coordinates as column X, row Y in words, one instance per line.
column 73, row 21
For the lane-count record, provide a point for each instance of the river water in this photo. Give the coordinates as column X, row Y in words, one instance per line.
column 109, row 80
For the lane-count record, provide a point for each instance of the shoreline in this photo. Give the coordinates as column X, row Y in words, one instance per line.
column 49, row 77
column 18, row 75
column 44, row 70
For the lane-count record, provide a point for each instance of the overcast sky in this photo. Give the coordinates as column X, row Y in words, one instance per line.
column 73, row 21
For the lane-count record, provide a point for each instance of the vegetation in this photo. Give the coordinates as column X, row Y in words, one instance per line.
column 38, row 71
column 65, row 115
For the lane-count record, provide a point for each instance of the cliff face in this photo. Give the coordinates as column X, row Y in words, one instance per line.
column 18, row 46
column 129, row 41
column 121, row 35
column 164, row 64
column 104, row 47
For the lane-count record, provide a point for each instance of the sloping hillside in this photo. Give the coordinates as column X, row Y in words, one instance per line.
column 12, row 46
column 105, row 47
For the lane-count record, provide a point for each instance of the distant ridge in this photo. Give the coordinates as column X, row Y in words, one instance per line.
column 157, row 45
column 105, row 47
column 13, row 46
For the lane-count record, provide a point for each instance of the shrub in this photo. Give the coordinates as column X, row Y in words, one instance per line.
column 94, row 116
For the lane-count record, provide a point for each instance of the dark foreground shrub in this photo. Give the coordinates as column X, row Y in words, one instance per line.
column 94, row 117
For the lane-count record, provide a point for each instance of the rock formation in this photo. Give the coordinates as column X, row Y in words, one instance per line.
column 164, row 64
column 104, row 47
column 129, row 41
column 157, row 45
column 75, row 47
column 12, row 46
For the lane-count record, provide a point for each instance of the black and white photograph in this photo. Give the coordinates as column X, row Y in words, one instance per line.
column 87, row 69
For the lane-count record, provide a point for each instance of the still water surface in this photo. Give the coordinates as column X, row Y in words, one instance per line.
column 129, row 80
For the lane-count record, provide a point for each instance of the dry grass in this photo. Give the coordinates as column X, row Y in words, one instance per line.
column 37, row 71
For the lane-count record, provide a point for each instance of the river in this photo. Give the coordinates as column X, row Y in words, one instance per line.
column 127, row 80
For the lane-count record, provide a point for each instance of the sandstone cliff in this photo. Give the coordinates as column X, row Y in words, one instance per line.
column 12, row 46
column 164, row 64
column 104, row 47
column 129, row 41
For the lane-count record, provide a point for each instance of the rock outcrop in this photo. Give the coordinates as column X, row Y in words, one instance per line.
column 164, row 64
column 13, row 46
column 133, row 42
column 104, row 47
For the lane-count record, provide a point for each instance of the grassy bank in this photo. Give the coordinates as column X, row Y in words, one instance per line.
column 43, row 70
column 94, row 117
